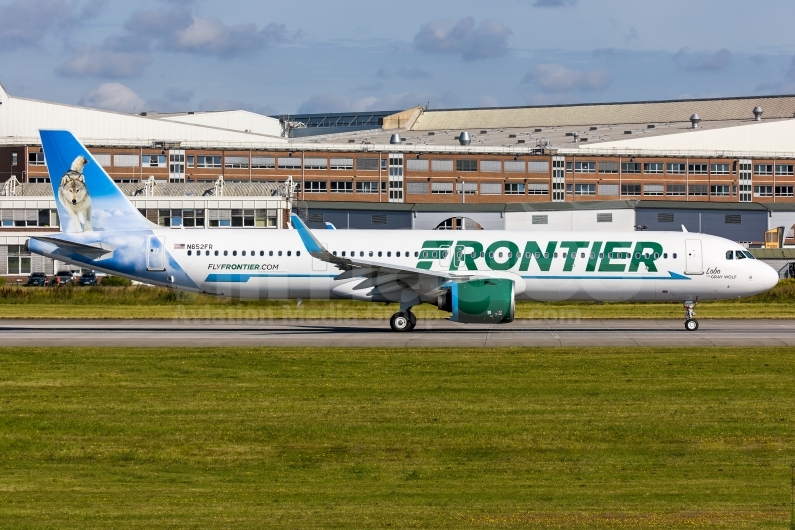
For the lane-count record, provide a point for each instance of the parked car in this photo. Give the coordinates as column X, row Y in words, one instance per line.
column 62, row 278
column 37, row 279
column 88, row 278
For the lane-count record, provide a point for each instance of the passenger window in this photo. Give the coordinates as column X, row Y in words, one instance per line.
column 482, row 254
column 538, row 254
column 499, row 254
column 555, row 255
column 729, row 254
column 674, row 255
column 601, row 254
column 226, row 252
column 297, row 252
column 656, row 256
column 206, row 252
column 216, row 252
column 582, row 254
column 234, row 252
column 397, row 254
column 280, row 253
column 261, row 252
column 416, row 254
column 546, row 255
column 189, row 253
column 491, row 254
column 335, row 252
column 270, row 253
column 592, row 255
column 740, row 254
column 528, row 255
column 343, row 253
column 371, row 253
column 289, row 253
column 380, row 253
column 361, row 254
column 243, row 253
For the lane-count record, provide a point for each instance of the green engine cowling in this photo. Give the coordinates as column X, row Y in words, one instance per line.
column 489, row 301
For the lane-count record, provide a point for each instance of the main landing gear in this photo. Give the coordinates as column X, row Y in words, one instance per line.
column 403, row 321
column 691, row 324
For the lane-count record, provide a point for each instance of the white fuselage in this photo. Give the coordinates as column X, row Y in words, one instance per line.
column 546, row 266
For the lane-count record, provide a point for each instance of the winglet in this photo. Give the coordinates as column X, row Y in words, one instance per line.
column 684, row 229
column 313, row 246
column 330, row 226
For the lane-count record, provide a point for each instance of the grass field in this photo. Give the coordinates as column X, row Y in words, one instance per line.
column 321, row 438
column 149, row 302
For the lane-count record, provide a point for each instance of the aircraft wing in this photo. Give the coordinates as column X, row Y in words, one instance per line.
column 384, row 277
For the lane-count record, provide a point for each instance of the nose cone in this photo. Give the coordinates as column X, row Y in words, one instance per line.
column 768, row 276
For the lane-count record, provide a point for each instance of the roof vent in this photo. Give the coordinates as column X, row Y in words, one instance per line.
column 694, row 120
column 464, row 138
column 758, row 113
column 576, row 137
column 395, row 139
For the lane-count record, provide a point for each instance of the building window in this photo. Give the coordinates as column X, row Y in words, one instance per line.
column 587, row 167
column 417, row 187
column 236, row 162
column 18, row 260
column 490, row 188
column 719, row 169
column 263, row 162
column 126, row 161
column 784, row 169
column 630, row 189
column 156, row 161
column 103, row 159
column 653, row 189
column 316, row 186
column 169, row 217
column 517, row 188
column 443, row 166
column 265, row 218
column 697, row 169
column 289, row 163
column 534, row 166
column 676, row 169
column 342, row 163
column 719, row 190
column 341, row 186
column 466, row 165
column 585, row 189
column 242, row 218
column 367, row 187
column 36, row 159
column 208, row 161
column 193, row 218
column 378, row 219
column 763, row 169
column 443, row 188
column 367, row 164
column 608, row 189
column 697, row 189
column 14, row 159
column 191, row 161
column 630, row 167
column 419, row 165
column 491, row 166
column 28, row 217
column 653, row 167
column 675, row 189
column 316, row 163
column 538, row 188
column 784, row 191
column 517, row 166
column 763, row 191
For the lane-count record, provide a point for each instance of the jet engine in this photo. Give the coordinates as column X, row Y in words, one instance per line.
column 488, row 301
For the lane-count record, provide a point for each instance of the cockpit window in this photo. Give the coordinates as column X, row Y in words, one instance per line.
column 740, row 254
column 748, row 254
column 729, row 254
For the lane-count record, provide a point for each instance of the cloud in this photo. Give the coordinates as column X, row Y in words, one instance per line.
column 554, row 3
column 115, row 58
column 112, row 96
column 757, row 58
column 177, row 29
column 784, row 86
column 487, row 39
column 178, row 95
column 414, row 72
column 555, row 78
column 26, row 23
column 702, row 62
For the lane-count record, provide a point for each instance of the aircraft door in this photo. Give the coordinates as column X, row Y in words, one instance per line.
column 694, row 263
column 156, row 253
column 445, row 258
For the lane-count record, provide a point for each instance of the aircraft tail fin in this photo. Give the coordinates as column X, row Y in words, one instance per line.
column 86, row 196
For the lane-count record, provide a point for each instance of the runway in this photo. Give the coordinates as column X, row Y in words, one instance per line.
column 376, row 333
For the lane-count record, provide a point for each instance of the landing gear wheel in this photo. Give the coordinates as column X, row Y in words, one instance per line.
column 691, row 324
column 412, row 319
column 400, row 321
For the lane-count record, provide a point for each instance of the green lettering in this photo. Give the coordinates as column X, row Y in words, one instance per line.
column 492, row 254
column 573, row 246
column 594, row 256
column 639, row 256
column 605, row 265
column 466, row 249
column 426, row 261
column 544, row 259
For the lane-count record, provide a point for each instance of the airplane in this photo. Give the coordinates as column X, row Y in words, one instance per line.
column 476, row 276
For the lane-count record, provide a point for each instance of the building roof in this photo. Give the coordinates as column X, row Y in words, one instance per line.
column 232, row 120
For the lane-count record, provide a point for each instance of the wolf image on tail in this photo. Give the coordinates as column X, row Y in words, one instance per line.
column 74, row 197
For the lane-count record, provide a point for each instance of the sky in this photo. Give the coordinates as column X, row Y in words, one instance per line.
column 315, row 56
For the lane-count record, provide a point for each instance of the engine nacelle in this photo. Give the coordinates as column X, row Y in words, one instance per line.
column 489, row 301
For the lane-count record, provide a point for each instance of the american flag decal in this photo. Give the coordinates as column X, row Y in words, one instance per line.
column 179, row 246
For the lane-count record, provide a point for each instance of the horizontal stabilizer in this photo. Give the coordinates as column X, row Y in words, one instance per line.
column 94, row 252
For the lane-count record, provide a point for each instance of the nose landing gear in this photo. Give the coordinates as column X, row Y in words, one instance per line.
column 403, row 321
column 691, row 324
